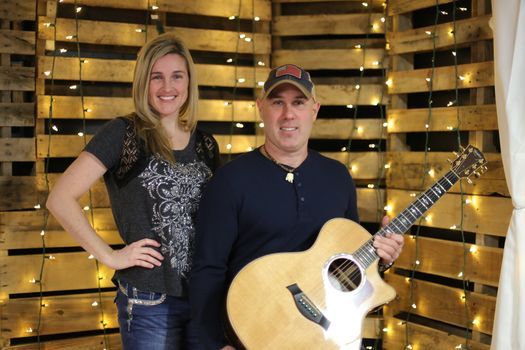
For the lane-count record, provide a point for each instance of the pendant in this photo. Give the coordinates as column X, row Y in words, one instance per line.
column 289, row 177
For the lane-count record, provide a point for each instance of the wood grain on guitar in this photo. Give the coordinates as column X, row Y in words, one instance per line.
column 318, row 299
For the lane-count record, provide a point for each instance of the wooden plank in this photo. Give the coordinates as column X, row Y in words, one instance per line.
column 218, row 8
column 112, row 33
column 17, row 150
column 362, row 165
column 17, row 42
column 370, row 204
column 19, row 270
column 71, row 146
column 18, row 10
column 53, row 239
column 81, row 343
column 62, row 314
column 417, row 40
column 70, row 107
column 398, row 332
column 487, row 215
column 366, row 94
column 18, row 192
column 407, row 168
column 471, row 118
column 330, row 58
column 445, row 258
column 35, row 220
column 328, row 24
column 475, row 75
column 17, row 78
column 122, row 71
column 445, row 304
column 17, row 114
column 360, row 129
column 396, row 7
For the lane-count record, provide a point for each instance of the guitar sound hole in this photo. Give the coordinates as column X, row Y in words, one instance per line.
column 344, row 275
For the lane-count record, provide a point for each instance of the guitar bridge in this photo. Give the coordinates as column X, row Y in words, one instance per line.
column 307, row 308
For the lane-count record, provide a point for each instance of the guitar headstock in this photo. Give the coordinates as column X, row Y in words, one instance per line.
column 469, row 162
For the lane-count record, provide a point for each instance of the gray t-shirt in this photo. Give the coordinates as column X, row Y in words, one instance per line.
column 160, row 203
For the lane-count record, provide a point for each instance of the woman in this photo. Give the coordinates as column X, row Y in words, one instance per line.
column 155, row 164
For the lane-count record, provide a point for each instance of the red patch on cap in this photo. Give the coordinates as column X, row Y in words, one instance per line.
column 288, row 70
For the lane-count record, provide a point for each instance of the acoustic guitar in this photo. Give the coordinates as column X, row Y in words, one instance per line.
column 318, row 298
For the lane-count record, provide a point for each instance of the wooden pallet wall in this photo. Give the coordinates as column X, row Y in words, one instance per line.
column 446, row 284
column 63, row 294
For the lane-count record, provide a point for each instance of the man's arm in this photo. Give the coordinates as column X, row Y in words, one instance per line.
column 215, row 236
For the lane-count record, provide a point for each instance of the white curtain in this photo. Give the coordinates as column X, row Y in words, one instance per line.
column 508, row 25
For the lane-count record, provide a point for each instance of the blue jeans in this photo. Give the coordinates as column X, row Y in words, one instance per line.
column 154, row 321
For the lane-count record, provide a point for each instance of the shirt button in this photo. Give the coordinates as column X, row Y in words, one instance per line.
column 299, row 184
column 302, row 199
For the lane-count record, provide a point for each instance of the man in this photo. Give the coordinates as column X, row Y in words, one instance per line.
column 273, row 199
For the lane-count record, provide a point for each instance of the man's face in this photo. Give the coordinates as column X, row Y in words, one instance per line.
column 288, row 118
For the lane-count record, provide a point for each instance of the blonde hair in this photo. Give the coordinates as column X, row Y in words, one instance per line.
column 147, row 120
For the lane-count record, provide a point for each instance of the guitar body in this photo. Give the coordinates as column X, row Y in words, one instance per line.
column 316, row 299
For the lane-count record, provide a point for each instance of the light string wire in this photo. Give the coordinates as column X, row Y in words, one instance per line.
column 235, row 62
column 424, row 176
column 45, row 212
column 426, row 172
column 90, row 193
column 464, row 281
column 255, row 83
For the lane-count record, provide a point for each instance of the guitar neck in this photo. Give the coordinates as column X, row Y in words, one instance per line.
column 366, row 254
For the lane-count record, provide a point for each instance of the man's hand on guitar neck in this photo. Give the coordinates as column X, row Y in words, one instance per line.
column 228, row 347
column 389, row 247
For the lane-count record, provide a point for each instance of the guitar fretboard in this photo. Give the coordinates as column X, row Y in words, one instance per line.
column 366, row 254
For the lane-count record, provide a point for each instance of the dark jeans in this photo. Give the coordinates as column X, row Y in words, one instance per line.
column 154, row 321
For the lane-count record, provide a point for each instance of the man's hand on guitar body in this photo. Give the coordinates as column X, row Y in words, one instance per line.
column 389, row 247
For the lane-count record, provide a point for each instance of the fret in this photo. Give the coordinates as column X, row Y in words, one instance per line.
column 410, row 211
column 436, row 193
column 451, row 184
column 414, row 207
column 393, row 223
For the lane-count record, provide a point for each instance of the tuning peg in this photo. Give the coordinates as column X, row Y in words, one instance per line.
column 469, row 180
column 461, row 149
column 477, row 174
column 455, row 153
column 484, row 168
column 450, row 161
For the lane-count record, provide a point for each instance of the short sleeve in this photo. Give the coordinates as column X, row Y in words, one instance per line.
column 107, row 143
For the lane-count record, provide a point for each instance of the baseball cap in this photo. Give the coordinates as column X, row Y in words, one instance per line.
column 290, row 74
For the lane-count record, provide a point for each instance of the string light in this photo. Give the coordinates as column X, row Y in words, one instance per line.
column 229, row 146
column 241, row 80
column 229, row 60
column 239, row 125
column 231, row 18
column 257, row 19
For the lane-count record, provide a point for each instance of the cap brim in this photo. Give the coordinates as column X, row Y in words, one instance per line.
column 301, row 88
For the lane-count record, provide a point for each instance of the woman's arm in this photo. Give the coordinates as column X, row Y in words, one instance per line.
column 63, row 203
